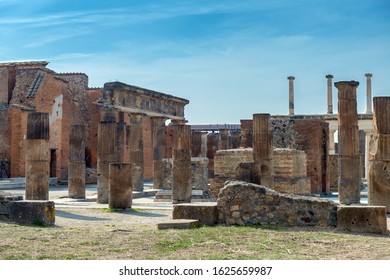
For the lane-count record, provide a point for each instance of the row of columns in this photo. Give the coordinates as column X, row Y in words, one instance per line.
column 329, row 94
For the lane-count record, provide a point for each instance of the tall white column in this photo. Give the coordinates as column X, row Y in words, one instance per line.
column 369, row 134
column 368, row 93
column 329, row 92
column 291, row 95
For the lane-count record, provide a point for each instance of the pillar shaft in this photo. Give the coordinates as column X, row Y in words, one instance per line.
column 379, row 164
column 224, row 139
column 107, row 153
column 349, row 158
column 136, row 150
column 181, row 173
column 263, row 150
column 246, row 128
column 291, row 95
column 368, row 93
column 120, row 185
column 159, row 150
column 37, row 156
column 329, row 94
column 76, row 168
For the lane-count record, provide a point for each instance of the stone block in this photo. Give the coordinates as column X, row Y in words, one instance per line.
column 178, row 224
column 38, row 212
column 362, row 219
column 206, row 213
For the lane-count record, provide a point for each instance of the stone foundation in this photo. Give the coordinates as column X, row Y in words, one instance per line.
column 206, row 213
column 245, row 204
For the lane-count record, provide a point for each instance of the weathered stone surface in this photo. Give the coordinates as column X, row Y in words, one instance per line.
column 32, row 212
column 206, row 213
column 379, row 184
column 363, row 219
column 76, row 179
column 120, row 185
column 179, row 224
column 241, row 203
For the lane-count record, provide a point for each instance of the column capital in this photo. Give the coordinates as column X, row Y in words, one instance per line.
column 291, row 78
column 368, row 75
column 329, row 76
column 345, row 83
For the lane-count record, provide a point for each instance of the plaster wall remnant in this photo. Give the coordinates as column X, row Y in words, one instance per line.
column 37, row 156
column 349, row 158
column 379, row 164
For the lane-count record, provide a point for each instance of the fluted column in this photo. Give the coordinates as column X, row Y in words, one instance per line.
column 291, row 95
column 349, row 158
column 329, row 93
column 181, row 157
column 159, row 150
column 263, row 150
column 136, row 150
column 37, row 156
column 76, row 168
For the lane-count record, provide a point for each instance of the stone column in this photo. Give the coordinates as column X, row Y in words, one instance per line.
column 120, row 185
column 76, row 168
column 369, row 137
column 203, row 151
column 349, row 158
column 159, row 150
column 37, row 156
column 211, row 150
column 263, row 150
column 181, row 171
column 332, row 148
column 379, row 165
column 291, row 95
column 224, row 139
column 329, row 92
column 107, row 153
column 368, row 93
column 196, row 143
column 136, row 150
column 246, row 127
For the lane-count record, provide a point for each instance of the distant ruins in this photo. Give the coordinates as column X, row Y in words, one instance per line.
column 52, row 125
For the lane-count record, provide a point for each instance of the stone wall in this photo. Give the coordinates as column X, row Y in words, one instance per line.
column 227, row 161
column 245, row 204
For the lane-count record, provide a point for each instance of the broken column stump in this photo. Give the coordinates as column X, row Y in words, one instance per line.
column 263, row 150
column 349, row 158
column 363, row 219
column 120, row 185
column 206, row 213
column 107, row 153
column 40, row 213
column 181, row 172
column 76, row 168
column 37, row 156
column 379, row 163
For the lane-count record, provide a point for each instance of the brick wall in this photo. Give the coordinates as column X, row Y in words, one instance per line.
column 227, row 161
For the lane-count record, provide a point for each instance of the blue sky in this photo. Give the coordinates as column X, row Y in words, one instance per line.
column 231, row 59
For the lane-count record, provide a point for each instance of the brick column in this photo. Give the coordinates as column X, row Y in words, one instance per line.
column 181, row 171
column 107, row 153
column 37, row 156
column 263, row 150
column 329, row 93
column 379, row 164
column 120, row 185
column 76, row 168
column 368, row 93
column 211, row 150
column 246, row 128
column 136, row 150
column 349, row 158
column 224, row 139
column 159, row 150
column 291, row 95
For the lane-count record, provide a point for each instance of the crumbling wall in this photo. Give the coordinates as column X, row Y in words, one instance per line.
column 246, row 204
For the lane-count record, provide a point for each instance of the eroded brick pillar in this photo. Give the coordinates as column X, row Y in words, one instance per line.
column 379, row 164
column 348, row 141
column 37, row 156
column 136, row 150
column 224, row 139
column 120, row 185
column 159, row 150
column 181, row 172
column 263, row 150
column 76, row 168
column 211, row 150
column 196, row 144
column 107, row 153
column 246, row 128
